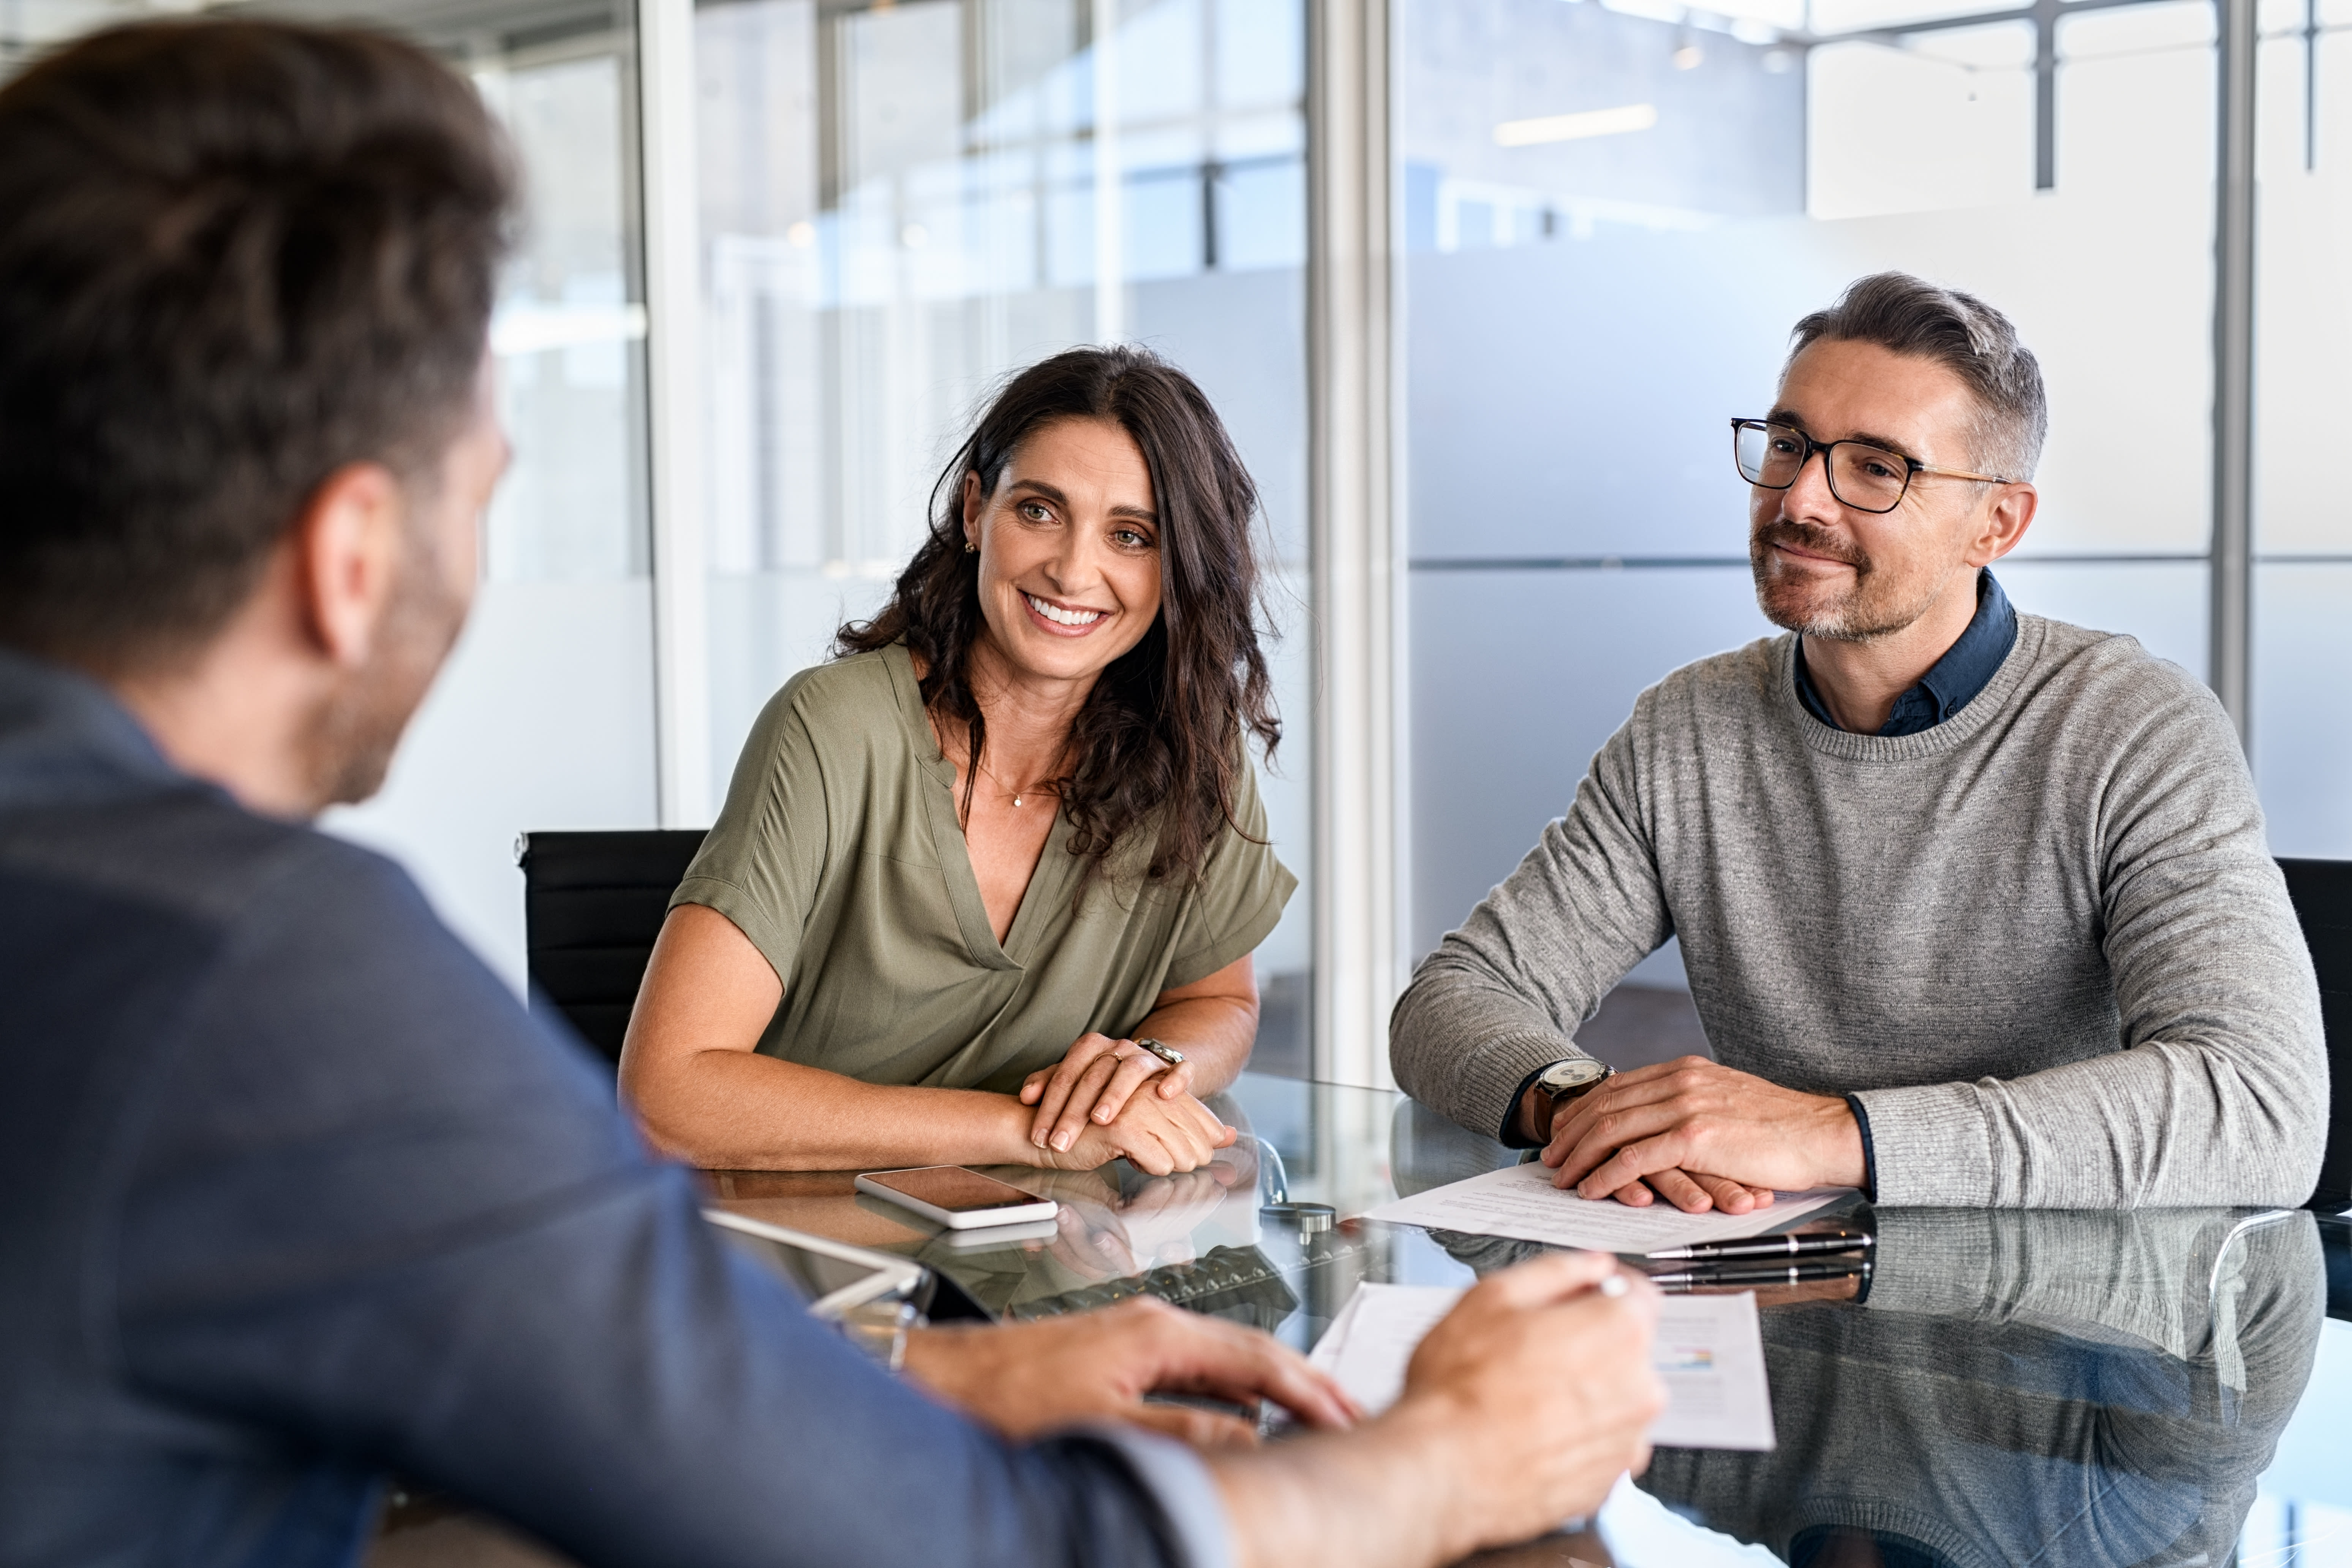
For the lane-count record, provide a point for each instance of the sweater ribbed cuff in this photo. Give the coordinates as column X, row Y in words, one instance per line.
column 1510, row 1137
column 1869, row 1153
column 1493, row 1075
column 1929, row 1147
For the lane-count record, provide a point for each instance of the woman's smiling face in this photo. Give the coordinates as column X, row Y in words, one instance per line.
column 1069, row 549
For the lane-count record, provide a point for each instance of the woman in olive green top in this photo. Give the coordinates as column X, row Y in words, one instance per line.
column 1008, row 833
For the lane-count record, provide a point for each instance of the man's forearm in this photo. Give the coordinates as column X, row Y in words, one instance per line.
column 1371, row 1499
column 1503, row 994
column 2159, row 1125
column 1464, row 1044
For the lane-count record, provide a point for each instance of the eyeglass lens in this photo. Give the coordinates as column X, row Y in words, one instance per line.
column 1869, row 478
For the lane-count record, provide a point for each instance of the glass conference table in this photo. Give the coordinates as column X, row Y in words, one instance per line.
column 2055, row 1388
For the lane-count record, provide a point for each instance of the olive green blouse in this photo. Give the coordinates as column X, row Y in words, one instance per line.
column 840, row 854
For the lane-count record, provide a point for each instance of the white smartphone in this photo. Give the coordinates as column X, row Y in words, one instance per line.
column 962, row 1241
column 956, row 1198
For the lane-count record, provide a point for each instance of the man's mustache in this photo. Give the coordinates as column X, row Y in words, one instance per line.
column 1812, row 540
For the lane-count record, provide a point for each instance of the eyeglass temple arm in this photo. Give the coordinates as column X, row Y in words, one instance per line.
column 1919, row 468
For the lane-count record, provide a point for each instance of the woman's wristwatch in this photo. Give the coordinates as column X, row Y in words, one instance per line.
column 1166, row 1053
column 1562, row 1082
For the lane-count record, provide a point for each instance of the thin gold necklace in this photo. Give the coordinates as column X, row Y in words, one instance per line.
column 1015, row 793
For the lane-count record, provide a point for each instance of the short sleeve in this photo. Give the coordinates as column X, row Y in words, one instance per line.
column 764, row 857
column 1240, row 897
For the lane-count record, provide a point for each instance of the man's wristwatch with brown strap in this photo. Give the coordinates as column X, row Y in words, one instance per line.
column 1562, row 1082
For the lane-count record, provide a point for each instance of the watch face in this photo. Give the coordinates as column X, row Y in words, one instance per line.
column 1580, row 1073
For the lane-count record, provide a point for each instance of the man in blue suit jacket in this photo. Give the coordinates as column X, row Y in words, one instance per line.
column 296, row 1194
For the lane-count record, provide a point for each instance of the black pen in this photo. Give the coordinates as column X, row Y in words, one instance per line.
column 1794, row 1244
column 1752, row 1275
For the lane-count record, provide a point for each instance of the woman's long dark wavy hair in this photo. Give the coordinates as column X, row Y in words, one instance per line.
column 1161, row 731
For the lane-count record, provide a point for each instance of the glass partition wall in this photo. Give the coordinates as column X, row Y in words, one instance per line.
column 2303, row 401
column 902, row 203
column 1615, row 212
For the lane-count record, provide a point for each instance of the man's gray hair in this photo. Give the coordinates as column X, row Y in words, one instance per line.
column 1908, row 315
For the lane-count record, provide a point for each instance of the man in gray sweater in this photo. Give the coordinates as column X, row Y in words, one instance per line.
column 1975, row 906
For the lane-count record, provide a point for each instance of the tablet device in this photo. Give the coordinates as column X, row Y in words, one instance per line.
column 958, row 1198
column 833, row 1274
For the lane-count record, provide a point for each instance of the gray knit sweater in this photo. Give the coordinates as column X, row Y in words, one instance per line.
column 2044, row 938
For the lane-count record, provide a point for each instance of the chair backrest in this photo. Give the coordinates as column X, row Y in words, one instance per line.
column 2322, row 891
column 2336, row 1247
column 593, row 904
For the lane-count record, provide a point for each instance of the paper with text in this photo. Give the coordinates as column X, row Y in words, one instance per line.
column 1372, row 1340
column 1709, row 1352
column 1520, row 1202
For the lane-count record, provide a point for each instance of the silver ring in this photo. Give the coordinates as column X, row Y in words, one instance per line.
column 1165, row 1052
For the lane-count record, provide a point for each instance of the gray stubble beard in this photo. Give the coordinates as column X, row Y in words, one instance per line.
column 1844, row 621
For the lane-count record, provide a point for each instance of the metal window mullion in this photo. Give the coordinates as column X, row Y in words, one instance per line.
column 673, row 309
column 2045, row 95
column 2229, row 657
column 1356, row 534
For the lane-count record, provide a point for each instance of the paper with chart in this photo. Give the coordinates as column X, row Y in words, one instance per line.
column 1519, row 1201
column 1708, row 1353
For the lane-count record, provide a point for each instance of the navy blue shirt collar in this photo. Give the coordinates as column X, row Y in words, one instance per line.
column 1967, row 667
column 64, row 737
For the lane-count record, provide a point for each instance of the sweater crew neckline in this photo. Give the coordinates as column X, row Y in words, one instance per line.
column 1937, row 740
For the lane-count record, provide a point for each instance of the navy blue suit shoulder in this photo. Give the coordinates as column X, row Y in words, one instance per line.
column 299, row 1194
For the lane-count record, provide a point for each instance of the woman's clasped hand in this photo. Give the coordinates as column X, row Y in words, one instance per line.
column 1088, row 1112
column 1090, row 1100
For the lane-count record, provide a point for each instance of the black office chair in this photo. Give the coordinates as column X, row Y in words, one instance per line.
column 2322, row 891
column 593, row 904
column 2336, row 1247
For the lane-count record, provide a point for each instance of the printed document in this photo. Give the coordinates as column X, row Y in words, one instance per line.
column 1372, row 1342
column 1708, row 1353
column 1520, row 1202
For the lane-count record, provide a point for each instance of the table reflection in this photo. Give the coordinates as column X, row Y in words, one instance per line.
column 2059, row 1388
column 2048, row 1387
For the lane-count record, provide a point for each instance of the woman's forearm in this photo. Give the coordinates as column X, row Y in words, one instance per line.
column 740, row 1110
column 703, row 1093
column 1215, row 1034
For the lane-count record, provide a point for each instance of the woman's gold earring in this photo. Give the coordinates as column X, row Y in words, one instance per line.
column 970, row 548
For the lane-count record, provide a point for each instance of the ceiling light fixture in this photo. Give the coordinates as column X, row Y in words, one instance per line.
column 1576, row 127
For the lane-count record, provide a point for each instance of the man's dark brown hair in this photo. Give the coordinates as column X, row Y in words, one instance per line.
column 235, row 257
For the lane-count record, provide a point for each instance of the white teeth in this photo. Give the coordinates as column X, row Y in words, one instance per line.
column 1062, row 617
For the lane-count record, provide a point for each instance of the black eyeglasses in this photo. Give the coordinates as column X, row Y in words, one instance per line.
column 1864, row 476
